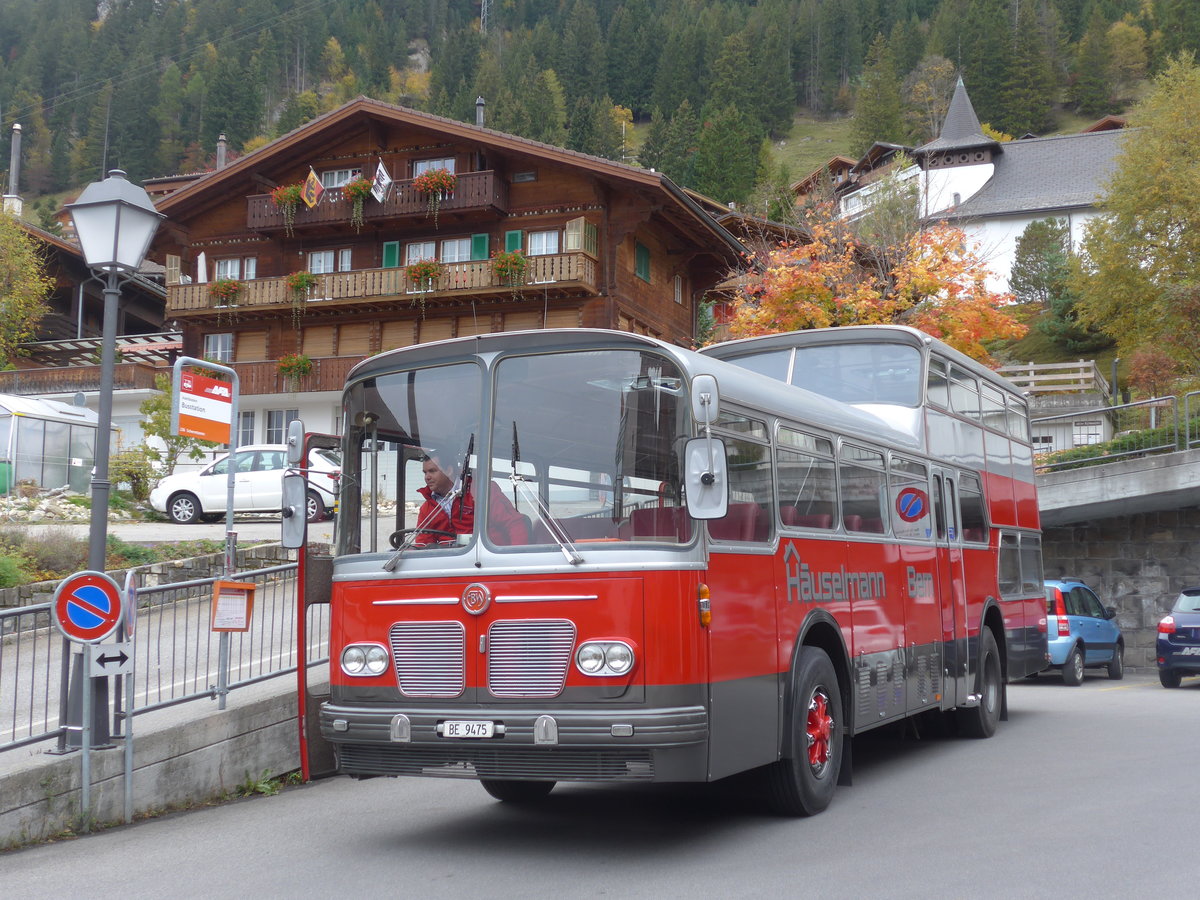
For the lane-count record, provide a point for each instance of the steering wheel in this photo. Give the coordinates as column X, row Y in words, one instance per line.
column 398, row 536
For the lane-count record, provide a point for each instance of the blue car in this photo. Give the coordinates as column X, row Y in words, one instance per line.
column 1178, row 644
column 1082, row 631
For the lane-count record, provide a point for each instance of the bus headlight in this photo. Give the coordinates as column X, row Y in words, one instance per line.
column 604, row 658
column 364, row 659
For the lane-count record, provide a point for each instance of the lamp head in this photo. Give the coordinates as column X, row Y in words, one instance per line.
column 115, row 222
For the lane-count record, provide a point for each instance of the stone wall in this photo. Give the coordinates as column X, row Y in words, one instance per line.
column 1137, row 563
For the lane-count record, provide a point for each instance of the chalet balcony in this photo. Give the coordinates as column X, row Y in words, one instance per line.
column 70, row 379
column 556, row 274
column 328, row 374
column 473, row 192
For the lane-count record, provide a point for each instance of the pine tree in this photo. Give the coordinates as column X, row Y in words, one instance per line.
column 727, row 155
column 877, row 108
column 652, row 152
column 682, row 142
column 1090, row 91
column 1028, row 91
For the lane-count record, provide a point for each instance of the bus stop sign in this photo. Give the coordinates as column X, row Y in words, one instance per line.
column 87, row 607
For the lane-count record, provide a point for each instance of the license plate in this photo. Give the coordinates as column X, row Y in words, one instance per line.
column 468, row 729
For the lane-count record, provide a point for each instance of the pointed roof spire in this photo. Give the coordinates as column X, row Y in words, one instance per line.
column 961, row 129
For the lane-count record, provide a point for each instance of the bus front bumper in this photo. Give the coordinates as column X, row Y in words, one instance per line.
column 666, row 744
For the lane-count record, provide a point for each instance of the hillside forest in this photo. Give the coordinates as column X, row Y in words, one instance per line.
column 147, row 85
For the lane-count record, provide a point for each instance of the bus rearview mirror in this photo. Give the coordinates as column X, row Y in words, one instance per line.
column 295, row 442
column 705, row 399
column 295, row 491
column 705, row 478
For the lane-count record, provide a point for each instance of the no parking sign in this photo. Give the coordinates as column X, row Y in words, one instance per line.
column 87, row 607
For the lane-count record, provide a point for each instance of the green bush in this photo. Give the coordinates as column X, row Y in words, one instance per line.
column 12, row 572
column 133, row 468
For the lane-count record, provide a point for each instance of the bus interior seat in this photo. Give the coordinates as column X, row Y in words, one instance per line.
column 973, row 534
column 577, row 529
column 789, row 515
column 872, row 526
column 657, row 521
column 743, row 522
column 852, row 522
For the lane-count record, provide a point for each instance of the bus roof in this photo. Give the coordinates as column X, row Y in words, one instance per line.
column 737, row 384
column 889, row 334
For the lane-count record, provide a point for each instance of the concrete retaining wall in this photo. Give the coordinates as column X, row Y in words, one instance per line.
column 192, row 758
column 1137, row 563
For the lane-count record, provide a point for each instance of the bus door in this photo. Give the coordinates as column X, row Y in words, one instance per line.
column 951, row 587
column 912, row 525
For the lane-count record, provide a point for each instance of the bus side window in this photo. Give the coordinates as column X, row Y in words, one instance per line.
column 807, row 480
column 939, row 508
column 750, row 516
column 862, row 483
column 974, row 520
column 1010, row 565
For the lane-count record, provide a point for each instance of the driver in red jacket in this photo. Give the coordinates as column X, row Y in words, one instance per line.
column 449, row 508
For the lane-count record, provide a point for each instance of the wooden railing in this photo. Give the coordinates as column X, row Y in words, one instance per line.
column 472, row 191
column 328, row 374
column 562, row 270
column 1082, row 377
column 126, row 376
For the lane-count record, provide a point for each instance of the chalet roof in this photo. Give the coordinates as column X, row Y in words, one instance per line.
column 878, row 154
column 287, row 159
column 1045, row 174
column 148, row 269
column 961, row 129
column 810, row 181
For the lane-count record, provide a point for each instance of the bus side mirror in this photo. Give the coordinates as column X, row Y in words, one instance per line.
column 705, row 399
column 295, row 442
column 293, row 522
column 706, row 483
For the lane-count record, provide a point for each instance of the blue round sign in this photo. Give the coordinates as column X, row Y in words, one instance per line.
column 87, row 607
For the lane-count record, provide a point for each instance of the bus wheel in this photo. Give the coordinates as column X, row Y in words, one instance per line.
column 517, row 791
column 980, row 721
column 803, row 783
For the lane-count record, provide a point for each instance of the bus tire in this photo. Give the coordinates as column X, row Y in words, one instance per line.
column 980, row 721
column 517, row 791
column 803, row 783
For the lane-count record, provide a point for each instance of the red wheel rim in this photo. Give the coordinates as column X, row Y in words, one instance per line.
column 819, row 731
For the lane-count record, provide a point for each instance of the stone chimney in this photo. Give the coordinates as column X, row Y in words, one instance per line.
column 221, row 143
column 479, row 111
column 12, row 200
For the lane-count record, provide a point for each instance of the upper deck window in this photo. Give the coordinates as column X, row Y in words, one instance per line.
column 860, row 373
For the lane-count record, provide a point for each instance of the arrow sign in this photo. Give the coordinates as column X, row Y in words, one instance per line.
column 87, row 607
column 110, row 659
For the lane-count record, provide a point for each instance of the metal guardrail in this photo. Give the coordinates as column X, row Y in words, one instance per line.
column 1142, row 428
column 176, row 654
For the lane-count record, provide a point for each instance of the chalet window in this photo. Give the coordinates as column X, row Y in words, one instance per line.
column 679, row 289
column 543, row 243
column 218, row 347
column 456, row 250
column 335, row 178
column 227, row 268
column 277, row 423
column 419, row 250
column 641, row 265
column 250, row 268
column 322, row 262
column 245, row 428
column 519, row 177
column 421, row 166
column 581, row 235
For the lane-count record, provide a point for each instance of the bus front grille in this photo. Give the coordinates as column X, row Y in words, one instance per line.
column 529, row 657
column 430, row 658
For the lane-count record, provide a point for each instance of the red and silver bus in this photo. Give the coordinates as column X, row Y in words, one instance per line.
column 724, row 560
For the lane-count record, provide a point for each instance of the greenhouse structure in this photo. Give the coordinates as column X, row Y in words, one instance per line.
column 46, row 443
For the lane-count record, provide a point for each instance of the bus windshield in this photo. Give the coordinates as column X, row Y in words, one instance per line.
column 861, row 372
column 579, row 447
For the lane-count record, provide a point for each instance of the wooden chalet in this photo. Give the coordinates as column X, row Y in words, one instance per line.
column 606, row 246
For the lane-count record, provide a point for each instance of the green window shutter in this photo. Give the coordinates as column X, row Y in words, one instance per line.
column 514, row 240
column 479, row 246
column 391, row 254
column 642, row 265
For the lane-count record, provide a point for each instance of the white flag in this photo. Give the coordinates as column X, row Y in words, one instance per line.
column 379, row 187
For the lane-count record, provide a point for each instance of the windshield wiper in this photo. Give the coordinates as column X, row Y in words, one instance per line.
column 521, row 486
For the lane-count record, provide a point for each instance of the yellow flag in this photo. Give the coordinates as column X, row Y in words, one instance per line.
column 313, row 189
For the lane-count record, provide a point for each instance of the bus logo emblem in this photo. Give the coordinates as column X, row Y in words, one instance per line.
column 476, row 598
column 911, row 504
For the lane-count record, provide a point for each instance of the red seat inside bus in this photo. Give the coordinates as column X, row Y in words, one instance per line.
column 862, row 524
column 789, row 515
column 577, row 529
column 657, row 521
column 743, row 522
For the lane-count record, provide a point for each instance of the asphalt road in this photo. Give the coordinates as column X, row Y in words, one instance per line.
column 1085, row 792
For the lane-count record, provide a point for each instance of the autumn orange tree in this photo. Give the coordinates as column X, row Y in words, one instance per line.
column 934, row 279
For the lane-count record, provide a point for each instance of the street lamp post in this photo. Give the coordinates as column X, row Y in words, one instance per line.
column 115, row 222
